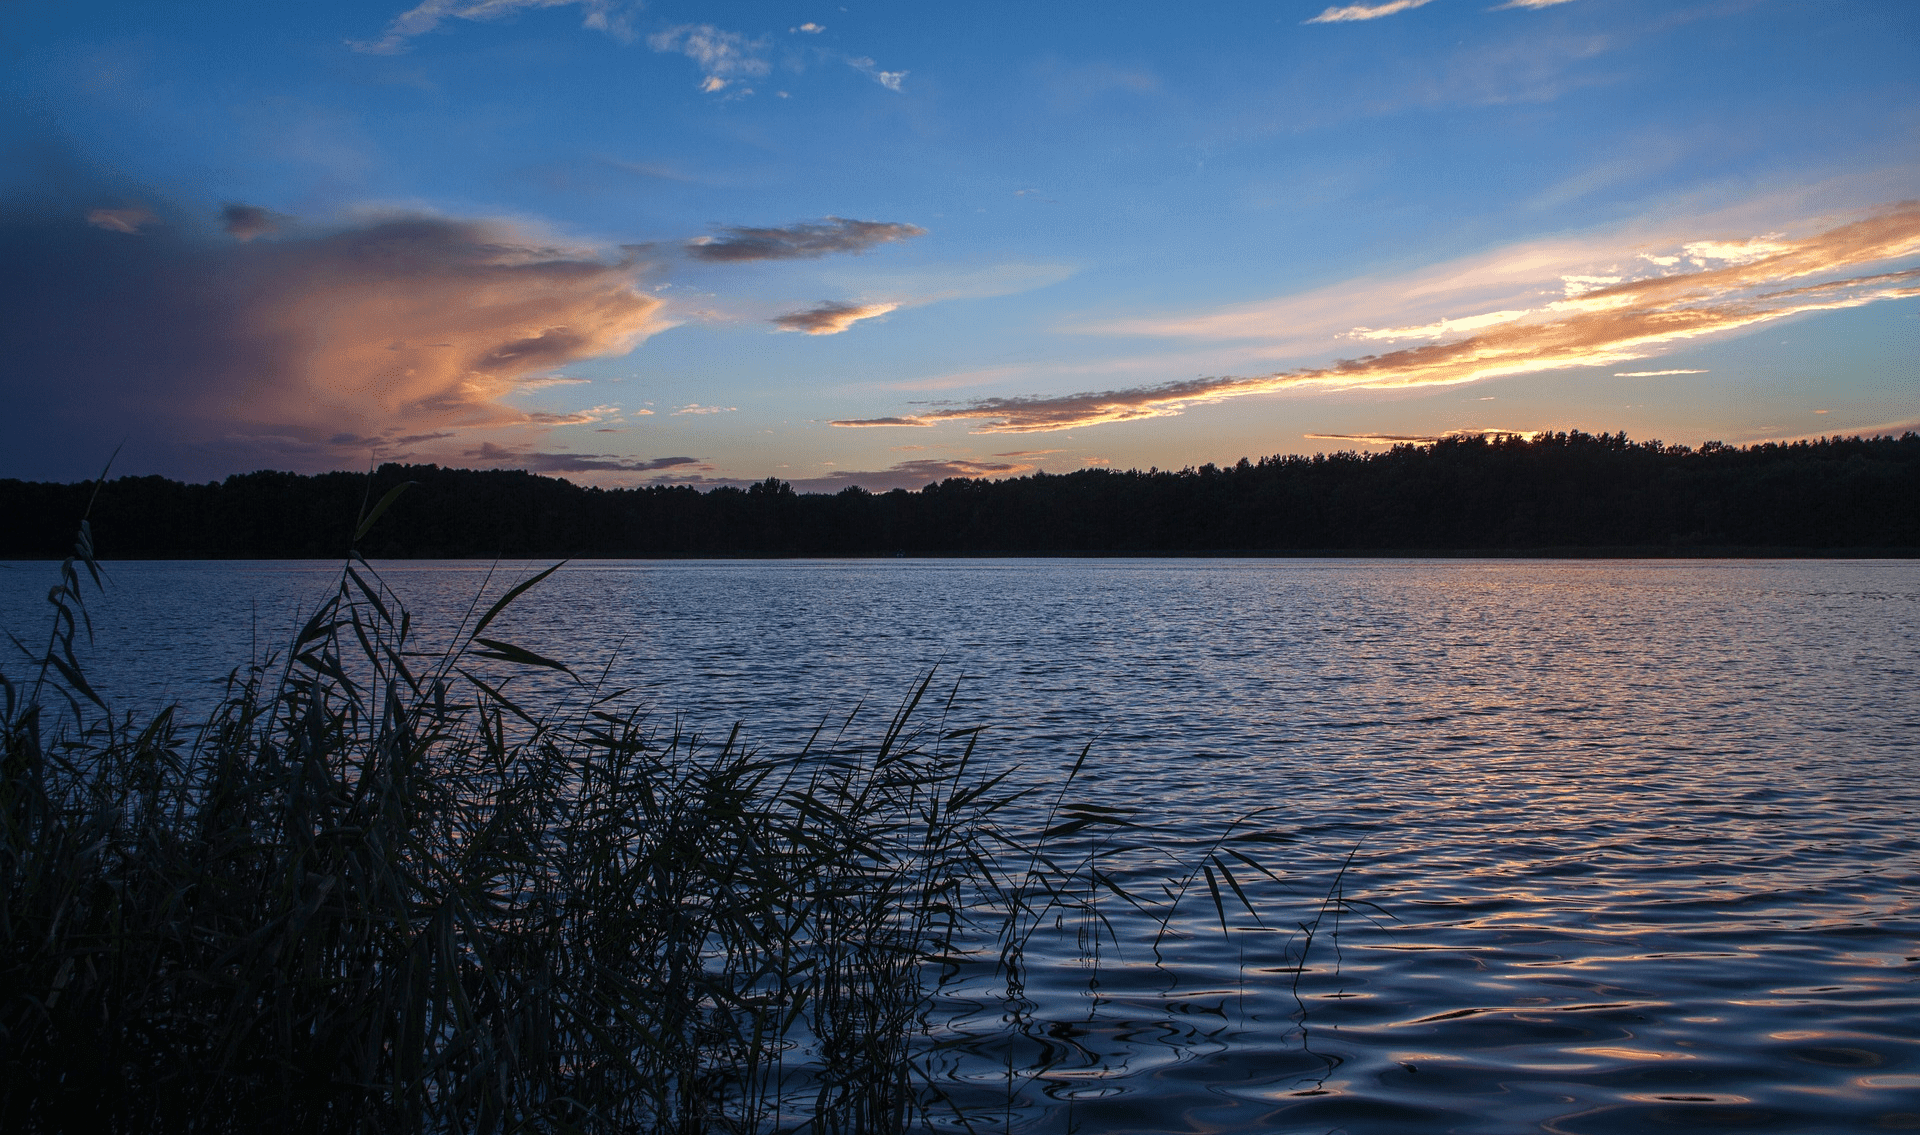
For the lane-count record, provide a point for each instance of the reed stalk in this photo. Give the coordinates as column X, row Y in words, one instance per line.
column 376, row 892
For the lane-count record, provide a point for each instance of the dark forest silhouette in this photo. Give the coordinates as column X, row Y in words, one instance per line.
column 1561, row 493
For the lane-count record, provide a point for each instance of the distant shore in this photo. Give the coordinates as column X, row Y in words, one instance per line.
column 1557, row 496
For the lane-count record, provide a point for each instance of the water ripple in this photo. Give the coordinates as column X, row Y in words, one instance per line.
column 1627, row 847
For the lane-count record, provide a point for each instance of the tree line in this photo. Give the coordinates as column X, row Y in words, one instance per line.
column 1568, row 493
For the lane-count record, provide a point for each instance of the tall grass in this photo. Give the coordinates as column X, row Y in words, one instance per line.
column 377, row 892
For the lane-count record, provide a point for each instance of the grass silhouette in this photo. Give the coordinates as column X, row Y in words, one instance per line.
column 376, row 892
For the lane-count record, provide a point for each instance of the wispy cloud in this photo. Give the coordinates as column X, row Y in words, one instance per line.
column 830, row 318
column 1528, row 4
column 1422, row 439
column 1653, row 373
column 1443, row 327
column 911, row 474
column 801, row 241
column 1354, row 12
column 1375, row 439
column 542, row 382
column 610, row 16
column 520, row 457
column 589, row 417
column 888, row 79
column 876, row 423
column 128, row 219
column 697, row 408
column 1628, row 319
column 725, row 57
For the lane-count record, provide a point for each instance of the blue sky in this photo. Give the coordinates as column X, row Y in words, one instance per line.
column 886, row 243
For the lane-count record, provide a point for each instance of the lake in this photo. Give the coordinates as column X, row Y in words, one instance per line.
column 1585, row 846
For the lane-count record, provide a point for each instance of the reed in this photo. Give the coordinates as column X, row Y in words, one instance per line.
column 377, row 891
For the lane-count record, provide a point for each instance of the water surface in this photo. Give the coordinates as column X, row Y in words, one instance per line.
column 1627, row 846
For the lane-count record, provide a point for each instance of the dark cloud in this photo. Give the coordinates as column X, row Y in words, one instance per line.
column 866, row 423
column 510, row 457
column 910, row 475
column 377, row 442
column 802, row 241
column 244, row 222
column 210, row 356
column 830, row 318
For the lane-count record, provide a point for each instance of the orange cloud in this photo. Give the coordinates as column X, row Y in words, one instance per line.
column 1420, row 439
column 421, row 321
column 1598, row 323
column 304, row 351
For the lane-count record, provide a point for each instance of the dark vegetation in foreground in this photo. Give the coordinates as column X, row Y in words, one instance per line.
column 376, row 892
column 1561, row 492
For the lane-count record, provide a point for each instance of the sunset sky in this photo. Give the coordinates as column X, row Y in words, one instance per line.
column 887, row 243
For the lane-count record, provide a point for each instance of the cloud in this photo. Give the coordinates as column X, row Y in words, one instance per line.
column 1604, row 325
column 128, row 220
column 1534, row 67
column 911, row 474
column 1441, row 327
column 214, row 354
column 1898, row 427
column 1364, row 12
column 517, row 457
column 801, row 241
column 1535, row 4
column 541, row 382
column 809, row 28
column 872, row 423
column 1653, row 373
column 590, row 417
column 724, row 57
column 831, row 318
column 610, row 16
column 244, row 222
column 1421, row 439
column 697, row 408
column 1376, row 439
column 888, row 79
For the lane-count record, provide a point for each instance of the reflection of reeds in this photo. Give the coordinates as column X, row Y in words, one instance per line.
column 375, row 892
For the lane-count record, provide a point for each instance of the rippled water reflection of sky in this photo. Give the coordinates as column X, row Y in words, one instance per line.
column 1641, row 839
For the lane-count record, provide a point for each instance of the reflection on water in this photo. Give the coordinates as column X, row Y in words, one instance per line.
column 1634, row 845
